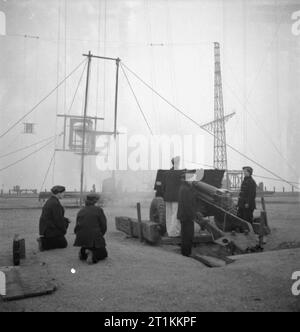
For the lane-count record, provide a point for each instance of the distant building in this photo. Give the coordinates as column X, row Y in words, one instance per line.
column 28, row 128
column 2, row 24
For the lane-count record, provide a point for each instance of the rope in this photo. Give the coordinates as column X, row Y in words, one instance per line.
column 25, row 148
column 269, row 178
column 57, row 77
column 199, row 164
column 135, row 97
column 29, row 155
column 171, row 64
column 40, row 102
column 98, row 51
column 254, row 85
column 45, row 178
column 262, row 130
column 77, row 88
column 65, row 60
column 207, row 131
column 147, row 13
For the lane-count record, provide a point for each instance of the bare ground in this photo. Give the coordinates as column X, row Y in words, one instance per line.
column 139, row 277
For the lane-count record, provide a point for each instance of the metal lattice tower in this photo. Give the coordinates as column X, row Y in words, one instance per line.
column 220, row 151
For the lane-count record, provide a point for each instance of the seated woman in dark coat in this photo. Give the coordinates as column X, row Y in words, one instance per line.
column 53, row 224
column 91, row 226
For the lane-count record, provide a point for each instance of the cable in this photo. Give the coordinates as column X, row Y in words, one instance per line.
column 40, row 102
column 269, row 178
column 260, row 71
column 76, row 91
column 98, row 51
column 147, row 13
column 195, row 163
column 254, row 85
column 29, row 155
column 57, row 78
column 171, row 64
column 207, row 131
column 26, row 147
column 45, row 178
column 104, row 63
column 65, row 60
column 111, row 43
column 138, row 104
column 258, row 126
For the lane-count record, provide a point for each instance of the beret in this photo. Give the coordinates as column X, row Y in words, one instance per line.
column 92, row 197
column 248, row 168
column 58, row 190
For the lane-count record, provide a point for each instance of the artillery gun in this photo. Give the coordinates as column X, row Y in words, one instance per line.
column 227, row 234
column 212, row 201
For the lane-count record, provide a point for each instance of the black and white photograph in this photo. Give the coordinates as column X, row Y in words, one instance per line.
column 149, row 158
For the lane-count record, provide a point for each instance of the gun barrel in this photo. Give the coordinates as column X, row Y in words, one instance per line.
column 206, row 189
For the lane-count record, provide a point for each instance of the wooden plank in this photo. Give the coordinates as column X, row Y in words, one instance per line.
column 27, row 281
column 130, row 226
column 22, row 249
column 198, row 239
column 263, row 203
column 18, row 250
column 140, row 221
column 209, row 261
column 151, row 232
column 214, row 250
column 124, row 225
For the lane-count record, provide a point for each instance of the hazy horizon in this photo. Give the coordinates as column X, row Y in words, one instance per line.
column 170, row 45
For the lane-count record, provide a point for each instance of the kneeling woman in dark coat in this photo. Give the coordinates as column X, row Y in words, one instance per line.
column 53, row 224
column 90, row 229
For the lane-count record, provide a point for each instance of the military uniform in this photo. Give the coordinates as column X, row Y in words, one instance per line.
column 187, row 212
column 53, row 225
column 91, row 226
column 247, row 197
column 171, row 189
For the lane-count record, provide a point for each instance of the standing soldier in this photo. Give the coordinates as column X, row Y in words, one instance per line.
column 247, row 196
column 170, row 190
column 188, row 211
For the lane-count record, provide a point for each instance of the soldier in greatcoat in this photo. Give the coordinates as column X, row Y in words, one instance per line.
column 188, row 211
column 247, row 196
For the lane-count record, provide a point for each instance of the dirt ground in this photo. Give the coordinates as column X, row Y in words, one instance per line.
column 138, row 277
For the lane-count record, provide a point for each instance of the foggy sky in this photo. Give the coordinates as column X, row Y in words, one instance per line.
column 260, row 68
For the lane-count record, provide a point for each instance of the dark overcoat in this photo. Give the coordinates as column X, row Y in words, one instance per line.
column 91, row 226
column 52, row 221
column 187, row 211
column 187, row 203
column 248, row 193
column 172, row 185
